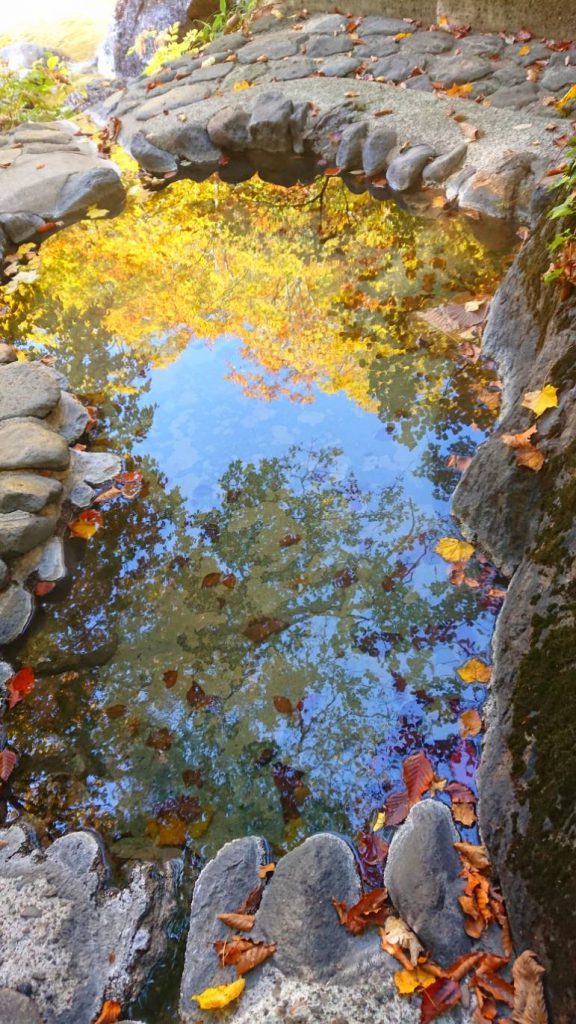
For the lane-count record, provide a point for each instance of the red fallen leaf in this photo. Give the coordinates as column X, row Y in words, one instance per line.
column 258, row 630
column 20, row 685
column 396, row 807
column 438, row 998
column 212, row 579
column 418, row 773
column 283, row 705
column 49, row 225
column 372, row 908
column 229, row 581
column 289, row 539
column 43, row 587
column 241, row 922
column 252, row 902
column 170, row 678
column 110, row 1012
column 8, row 762
column 523, row 36
column 372, row 851
column 498, row 988
column 198, row 698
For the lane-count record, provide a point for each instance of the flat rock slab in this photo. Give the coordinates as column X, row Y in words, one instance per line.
column 27, row 444
column 67, row 941
column 50, row 172
column 27, row 389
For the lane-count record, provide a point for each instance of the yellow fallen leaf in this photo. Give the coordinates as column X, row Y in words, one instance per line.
column 239, row 86
column 523, row 51
column 470, row 723
column 380, row 821
column 453, row 550
column 570, row 95
column 475, row 671
column 80, row 528
column 94, row 213
column 408, row 981
column 220, row 996
column 539, row 401
column 402, row 35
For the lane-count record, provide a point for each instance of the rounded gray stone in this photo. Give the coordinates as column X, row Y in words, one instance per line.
column 339, row 67
column 27, row 492
column 21, row 226
column 152, row 159
column 459, row 70
column 559, row 77
column 516, row 96
column 428, row 42
column 481, row 45
column 274, row 46
column 349, row 155
column 52, row 564
column 290, row 69
column 16, row 1008
column 28, row 444
column 16, row 607
column 22, row 531
column 376, row 150
column 405, row 170
column 393, row 69
column 325, row 24
column 69, row 418
column 228, row 128
column 445, row 165
column 269, row 124
column 27, row 389
column 326, row 46
column 377, row 25
column 377, row 46
column 422, row 876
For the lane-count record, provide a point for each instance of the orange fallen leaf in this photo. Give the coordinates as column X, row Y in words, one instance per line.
column 87, row 524
column 519, row 440
column 372, row 908
column 438, row 998
column 109, row 1013
column 464, row 814
column 266, row 869
column 20, row 685
column 529, row 1006
column 470, row 723
column 241, row 922
column 475, row 857
column 418, row 773
column 530, row 457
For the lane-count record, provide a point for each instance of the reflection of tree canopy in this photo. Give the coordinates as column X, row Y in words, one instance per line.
column 318, row 295
column 349, row 623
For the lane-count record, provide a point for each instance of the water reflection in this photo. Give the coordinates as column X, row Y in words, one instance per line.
column 258, row 639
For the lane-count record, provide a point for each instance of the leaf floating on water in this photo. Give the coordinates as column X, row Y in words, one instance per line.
column 20, row 685
column 131, row 483
column 379, row 821
column 470, row 723
column 110, row 1012
column 87, row 524
column 220, row 996
column 258, row 630
column 438, row 998
column 170, row 678
column 453, row 550
column 212, row 579
column 529, row 1004
column 540, row 401
column 464, row 814
column 115, row 711
column 162, row 739
column 283, row 705
column 289, row 539
column 418, row 773
column 43, row 588
column 8, row 762
column 475, row 671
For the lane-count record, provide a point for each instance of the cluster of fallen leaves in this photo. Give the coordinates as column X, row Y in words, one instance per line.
column 127, row 485
column 526, row 452
column 458, row 553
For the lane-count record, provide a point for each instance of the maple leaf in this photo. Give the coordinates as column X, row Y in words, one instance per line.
column 475, row 671
column 453, row 550
column 438, row 998
column 529, row 1006
column 470, row 723
column 110, row 1012
column 371, row 908
column 20, row 685
column 408, row 981
column 539, row 401
column 242, row 922
column 398, row 933
column 220, row 996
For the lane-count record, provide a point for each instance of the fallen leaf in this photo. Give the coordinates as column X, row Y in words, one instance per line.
column 453, row 550
column 212, row 579
column 461, row 793
column 289, row 539
column 539, row 401
column 258, row 630
column 570, row 95
column 396, row 807
column 8, row 762
column 519, row 440
column 20, row 685
column 398, row 933
column 244, row 954
column 115, row 711
column 418, row 773
column 523, row 51
column 240, row 86
column 94, row 213
column 498, row 988
column 43, row 587
column 470, row 723
column 110, row 1012
column 408, row 981
column 131, row 483
column 87, row 524
column 475, row 671
column 283, row 705
column 475, row 857
column 438, row 998
column 464, row 814
column 530, row 457
column 266, row 869
column 372, row 908
column 241, row 922
column 460, row 90
column 162, row 739
column 170, row 678
column 229, row 581
column 529, row 1004
column 379, row 821
column 471, row 132
column 220, row 996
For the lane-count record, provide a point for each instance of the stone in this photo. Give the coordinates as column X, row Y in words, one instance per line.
column 326, row 24
column 52, row 564
column 377, row 46
column 445, row 165
column 16, row 1008
column 536, row 51
column 152, row 159
column 419, row 83
column 392, row 69
column 99, row 186
column 228, row 43
column 221, row 886
column 376, row 25
column 26, row 389
column 428, row 42
column 326, row 46
column 349, row 154
column 405, row 170
column 69, row 418
column 21, row 226
column 339, row 67
column 4, row 574
column 7, row 353
column 422, row 876
column 22, row 531
column 94, row 467
column 478, row 45
column 211, row 73
column 376, row 149
column 130, row 20
column 290, row 69
column 298, row 125
column 228, row 128
column 16, row 609
column 270, row 122
column 275, row 46
column 516, row 96
column 173, row 99
column 193, row 143
column 459, row 70
column 559, row 77
column 29, row 444
column 509, row 74
column 60, row 951
column 492, row 191
column 27, row 492
column 21, row 55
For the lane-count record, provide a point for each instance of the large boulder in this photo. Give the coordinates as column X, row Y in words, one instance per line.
column 132, row 18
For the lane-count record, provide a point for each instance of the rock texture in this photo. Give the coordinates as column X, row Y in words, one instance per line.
column 134, row 17
column 525, row 522
column 68, row 940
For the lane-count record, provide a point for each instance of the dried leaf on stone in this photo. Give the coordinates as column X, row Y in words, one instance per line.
column 530, row 457
column 472, row 132
column 20, row 685
column 266, row 869
column 540, row 401
column 519, row 440
column 453, row 550
column 408, row 981
column 500, row 989
column 398, row 933
column 475, row 857
column 241, row 922
column 220, row 996
column 438, row 998
column 470, row 723
column 372, row 908
column 529, row 1006
column 110, row 1012
column 475, row 671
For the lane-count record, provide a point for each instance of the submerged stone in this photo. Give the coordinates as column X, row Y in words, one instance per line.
column 16, row 608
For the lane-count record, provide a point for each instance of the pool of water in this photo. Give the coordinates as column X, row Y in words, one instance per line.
column 255, row 640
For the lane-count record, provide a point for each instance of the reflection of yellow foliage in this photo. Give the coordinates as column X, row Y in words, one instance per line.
column 314, row 290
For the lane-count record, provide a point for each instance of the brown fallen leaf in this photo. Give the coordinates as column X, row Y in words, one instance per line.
column 241, row 922
column 464, row 814
column 519, row 440
column 475, row 857
column 245, row 954
column 418, row 773
column 170, row 678
column 8, row 762
column 530, row 457
column 258, row 630
column 398, row 933
column 471, row 132
column 470, row 723
column 372, row 908
column 529, row 1006
column 283, row 705
column 438, row 998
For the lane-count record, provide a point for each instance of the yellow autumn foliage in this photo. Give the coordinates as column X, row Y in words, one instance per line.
column 220, row 996
column 453, row 550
